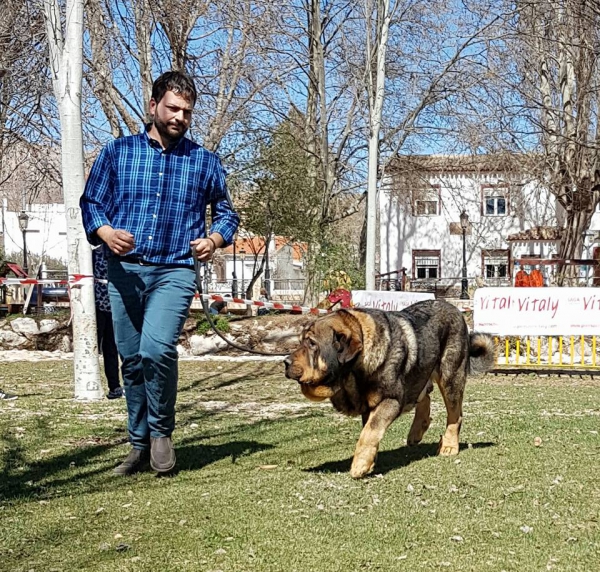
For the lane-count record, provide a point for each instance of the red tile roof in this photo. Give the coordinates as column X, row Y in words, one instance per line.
column 256, row 245
column 485, row 163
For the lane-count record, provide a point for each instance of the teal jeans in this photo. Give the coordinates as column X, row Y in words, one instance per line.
column 150, row 304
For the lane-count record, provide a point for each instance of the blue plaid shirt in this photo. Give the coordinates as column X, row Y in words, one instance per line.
column 159, row 196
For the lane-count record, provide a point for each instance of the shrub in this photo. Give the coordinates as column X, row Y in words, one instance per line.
column 221, row 322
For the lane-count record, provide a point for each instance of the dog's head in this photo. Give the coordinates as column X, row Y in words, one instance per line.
column 327, row 346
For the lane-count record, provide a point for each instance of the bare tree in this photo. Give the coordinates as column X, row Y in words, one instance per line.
column 119, row 61
column 561, row 65
column 539, row 95
column 178, row 20
column 104, row 48
column 408, row 70
column 26, row 114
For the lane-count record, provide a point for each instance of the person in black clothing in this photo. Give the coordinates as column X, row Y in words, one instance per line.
column 104, row 323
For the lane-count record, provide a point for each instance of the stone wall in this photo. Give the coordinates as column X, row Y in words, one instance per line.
column 27, row 333
column 268, row 333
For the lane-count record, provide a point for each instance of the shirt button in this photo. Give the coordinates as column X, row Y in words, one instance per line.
column 149, row 238
column 158, row 194
column 160, row 174
column 153, row 216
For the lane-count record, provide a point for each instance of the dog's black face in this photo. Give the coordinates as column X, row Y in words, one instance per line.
column 326, row 347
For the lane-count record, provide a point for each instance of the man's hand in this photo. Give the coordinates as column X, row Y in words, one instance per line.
column 204, row 248
column 119, row 241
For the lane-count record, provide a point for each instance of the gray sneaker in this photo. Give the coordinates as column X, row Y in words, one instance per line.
column 136, row 461
column 7, row 396
column 162, row 454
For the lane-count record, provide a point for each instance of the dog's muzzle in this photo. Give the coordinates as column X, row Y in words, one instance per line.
column 288, row 364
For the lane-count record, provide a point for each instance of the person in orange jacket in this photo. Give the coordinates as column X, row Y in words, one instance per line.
column 522, row 279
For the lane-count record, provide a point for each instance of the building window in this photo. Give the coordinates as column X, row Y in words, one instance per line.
column 495, row 264
column 494, row 200
column 426, row 202
column 426, row 264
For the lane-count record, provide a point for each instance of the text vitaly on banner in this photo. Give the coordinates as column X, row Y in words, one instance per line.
column 537, row 311
column 389, row 301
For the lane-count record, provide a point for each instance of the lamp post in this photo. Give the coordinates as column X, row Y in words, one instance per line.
column 234, row 284
column 464, row 224
column 243, row 258
column 267, row 268
column 23, row 223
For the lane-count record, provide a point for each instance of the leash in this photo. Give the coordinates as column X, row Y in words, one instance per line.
column 212, row 324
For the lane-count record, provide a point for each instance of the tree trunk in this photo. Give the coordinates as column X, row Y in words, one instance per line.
column 571, row 245
column 376, row 98
column 66, row 59
column 143, row 31
column 102, row 81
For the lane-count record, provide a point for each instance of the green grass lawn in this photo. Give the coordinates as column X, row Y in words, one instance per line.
column 263, row 482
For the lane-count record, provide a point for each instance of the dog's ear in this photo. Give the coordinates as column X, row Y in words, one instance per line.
column 347, row 337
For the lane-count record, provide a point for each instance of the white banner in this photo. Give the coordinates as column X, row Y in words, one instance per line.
column 388, row 301
column 537, row 311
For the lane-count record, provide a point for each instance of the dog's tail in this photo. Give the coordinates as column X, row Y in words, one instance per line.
column 481, row 353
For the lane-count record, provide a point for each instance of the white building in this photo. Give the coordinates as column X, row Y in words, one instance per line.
column 286, row 268
column 46, row 233
column 420, row 205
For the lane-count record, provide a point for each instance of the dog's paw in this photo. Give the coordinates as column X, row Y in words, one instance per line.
column 417, row 432
column 358, row 472
column 447, row 449
column 361, row 467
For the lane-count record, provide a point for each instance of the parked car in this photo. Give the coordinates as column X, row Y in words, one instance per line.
column 50, row 294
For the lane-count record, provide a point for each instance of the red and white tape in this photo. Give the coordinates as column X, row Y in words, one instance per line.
column 79, row 279
column 74, row 280
column 269, row 305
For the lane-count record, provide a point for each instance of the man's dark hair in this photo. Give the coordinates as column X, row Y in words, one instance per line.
column 176, row 81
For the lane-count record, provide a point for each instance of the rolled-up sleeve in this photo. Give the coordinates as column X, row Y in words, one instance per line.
column 225, row 220
column 96, row 201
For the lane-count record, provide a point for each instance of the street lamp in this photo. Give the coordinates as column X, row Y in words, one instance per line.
column 267, row 269
column 234, row 284
column 464, row 224
column 23, row 223
column 243, row 257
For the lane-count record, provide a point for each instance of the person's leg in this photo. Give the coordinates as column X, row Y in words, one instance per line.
column 126, row 289
column 108, row 348
column 168, row 297
column 99, row 328
column 109, row 351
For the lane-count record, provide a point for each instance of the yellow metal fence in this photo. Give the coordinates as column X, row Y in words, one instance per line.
column 567, row 352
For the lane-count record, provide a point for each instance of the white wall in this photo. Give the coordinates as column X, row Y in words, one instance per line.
column 248, row 267
column 401, row 232
column 46, row 231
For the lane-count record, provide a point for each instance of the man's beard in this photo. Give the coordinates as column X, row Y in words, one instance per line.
column 169, row 132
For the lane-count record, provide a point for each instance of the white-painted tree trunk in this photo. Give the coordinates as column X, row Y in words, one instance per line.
column 376, row 98
column 66, row 59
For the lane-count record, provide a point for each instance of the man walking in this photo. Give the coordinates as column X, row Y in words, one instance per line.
column 146, row 199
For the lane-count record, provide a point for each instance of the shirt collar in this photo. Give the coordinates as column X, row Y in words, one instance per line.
column 156, row 145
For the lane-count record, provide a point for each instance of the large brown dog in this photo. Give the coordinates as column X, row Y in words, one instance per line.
column 381, row 364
